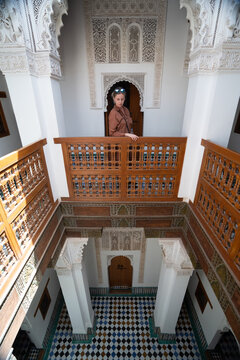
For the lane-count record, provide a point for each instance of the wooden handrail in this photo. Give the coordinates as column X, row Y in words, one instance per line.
column 119, row 169
column 217, row 201
column 26, row 202
column 19, row 154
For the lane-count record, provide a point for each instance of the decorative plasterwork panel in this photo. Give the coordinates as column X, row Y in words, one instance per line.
column 11, row 31
column 136, row 79
column 48, row 16
column 148, row 16
column 102, row 28
column 202, row 24
column 123, row 7
column 122, row 239
column 36, row 7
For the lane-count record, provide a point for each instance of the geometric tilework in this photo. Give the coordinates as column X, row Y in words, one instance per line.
column 122, row 333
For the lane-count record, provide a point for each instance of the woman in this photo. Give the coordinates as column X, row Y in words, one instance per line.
column 120, row 121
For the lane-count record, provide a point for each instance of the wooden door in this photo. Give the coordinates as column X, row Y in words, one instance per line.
column 132, row 102
column 120, row 273
column 134, row 108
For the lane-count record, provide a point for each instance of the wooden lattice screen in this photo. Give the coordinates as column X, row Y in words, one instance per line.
column 118, row 169
column 217, row 200
column 26, row 201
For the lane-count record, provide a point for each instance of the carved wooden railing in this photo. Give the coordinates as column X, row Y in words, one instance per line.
column 118, row 169
column 25, row 204
column 217, row 200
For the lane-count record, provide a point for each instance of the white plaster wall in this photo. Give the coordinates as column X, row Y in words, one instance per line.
column 80, row 119
column 151, row 270
column 91, row 263
column 11, row 142
column 211, row 319
column 153, row 261
column 168, row 120
column 37, row 326
column 224, row 107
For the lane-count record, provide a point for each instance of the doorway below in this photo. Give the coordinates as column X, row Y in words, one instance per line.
column 132, row 102
column 120, row 275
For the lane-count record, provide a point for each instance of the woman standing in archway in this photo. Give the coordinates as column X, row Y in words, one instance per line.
column 120, row 121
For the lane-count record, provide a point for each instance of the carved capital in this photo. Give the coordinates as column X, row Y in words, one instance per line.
column 175, row 255
column 72, row 253
column 21, row 60
column 204, row 61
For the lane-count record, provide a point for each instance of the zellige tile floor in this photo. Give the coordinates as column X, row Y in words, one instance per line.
column 122, row 332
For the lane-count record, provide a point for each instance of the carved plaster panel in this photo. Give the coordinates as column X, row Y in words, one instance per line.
column 11, row 31
column 123, row 7
column 122, row 239
column 230, row 59
column 102, row 30
column 48, row 16
column 200, row 13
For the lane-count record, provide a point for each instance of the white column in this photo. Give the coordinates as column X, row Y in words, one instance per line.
column 74, row 284
column 175, row 272
column 21, row 91
column 69, row 290
column 211, row 103
column 37, row 104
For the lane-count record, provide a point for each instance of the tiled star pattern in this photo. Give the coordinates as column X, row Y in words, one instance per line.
column 123, row 333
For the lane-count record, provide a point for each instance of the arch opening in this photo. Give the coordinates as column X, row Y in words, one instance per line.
column 132, row 102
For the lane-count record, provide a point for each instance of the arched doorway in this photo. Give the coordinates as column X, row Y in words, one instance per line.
column 132, row 102
column 120, row 274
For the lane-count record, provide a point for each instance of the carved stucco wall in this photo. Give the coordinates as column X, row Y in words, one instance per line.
column 149, row 17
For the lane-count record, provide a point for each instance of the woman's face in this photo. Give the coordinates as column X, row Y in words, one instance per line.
column 119, row 100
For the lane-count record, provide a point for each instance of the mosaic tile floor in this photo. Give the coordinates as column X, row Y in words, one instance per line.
column 122, row 332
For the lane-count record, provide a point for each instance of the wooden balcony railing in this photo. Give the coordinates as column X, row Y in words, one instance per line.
column 25, row 203
column 118, row 169
column 217, row 201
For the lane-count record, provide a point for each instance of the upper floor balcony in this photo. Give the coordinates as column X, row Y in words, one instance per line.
column 114, row 170
column 118, row 169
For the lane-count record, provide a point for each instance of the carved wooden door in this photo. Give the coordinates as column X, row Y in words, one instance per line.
column 120, row 273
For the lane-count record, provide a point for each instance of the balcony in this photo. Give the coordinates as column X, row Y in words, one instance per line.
column 102, row 172
column 118, row 169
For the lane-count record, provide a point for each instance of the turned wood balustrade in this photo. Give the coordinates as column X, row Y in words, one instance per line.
column 25, row 204
column 118, row 169
column 217, row 200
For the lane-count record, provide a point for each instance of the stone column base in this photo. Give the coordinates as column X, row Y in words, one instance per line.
column 85, row 338
column 163, row 338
